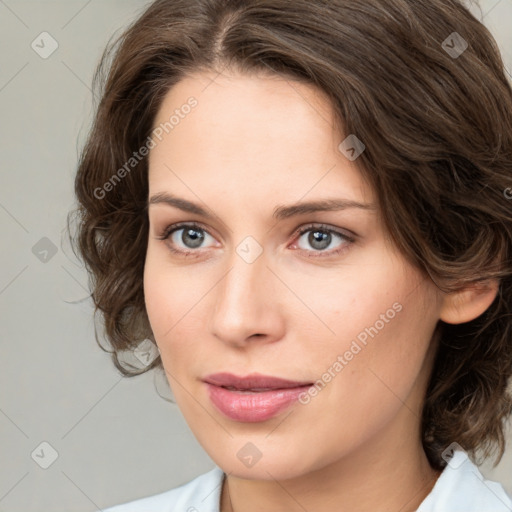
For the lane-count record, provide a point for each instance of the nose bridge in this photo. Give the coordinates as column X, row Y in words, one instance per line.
column 243, row 299
column 239, row 292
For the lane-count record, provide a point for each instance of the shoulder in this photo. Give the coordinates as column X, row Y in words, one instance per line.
column 201, row 494
column 462, row 488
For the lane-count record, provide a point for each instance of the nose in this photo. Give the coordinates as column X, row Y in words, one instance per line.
column 246, row 304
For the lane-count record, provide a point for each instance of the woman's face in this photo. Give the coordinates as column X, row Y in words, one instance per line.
column 238, row 298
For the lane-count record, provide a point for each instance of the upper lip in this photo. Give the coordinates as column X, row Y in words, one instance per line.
column 252, row 382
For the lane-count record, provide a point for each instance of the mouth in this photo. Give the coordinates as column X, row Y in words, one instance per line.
column 252, row 398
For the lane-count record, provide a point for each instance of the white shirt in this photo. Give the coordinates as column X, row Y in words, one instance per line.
column 460, row 488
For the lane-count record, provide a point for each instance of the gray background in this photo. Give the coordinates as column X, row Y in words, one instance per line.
column 115, row 439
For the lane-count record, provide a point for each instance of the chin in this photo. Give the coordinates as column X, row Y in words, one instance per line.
column 270, row 470
column 269, row 462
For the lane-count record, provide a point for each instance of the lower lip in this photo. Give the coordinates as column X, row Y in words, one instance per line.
column 256, row 406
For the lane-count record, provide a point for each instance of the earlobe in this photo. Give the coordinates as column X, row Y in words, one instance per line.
column 469, row 303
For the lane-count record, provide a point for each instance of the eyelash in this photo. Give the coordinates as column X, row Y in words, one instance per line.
column 169, row 230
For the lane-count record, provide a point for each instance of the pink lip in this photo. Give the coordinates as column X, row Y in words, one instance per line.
column 252, row 398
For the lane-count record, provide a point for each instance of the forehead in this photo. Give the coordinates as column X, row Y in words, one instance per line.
column 257, row 134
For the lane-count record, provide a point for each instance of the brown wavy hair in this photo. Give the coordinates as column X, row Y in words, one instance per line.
column 438, row 134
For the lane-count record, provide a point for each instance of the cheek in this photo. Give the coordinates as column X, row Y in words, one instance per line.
column 383, row 363
column 355, row 309
column 170, row 293
column 174, row 301
column 383, row 321
column 158, row 299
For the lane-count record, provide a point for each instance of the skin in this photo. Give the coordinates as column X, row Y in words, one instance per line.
column 251, row 144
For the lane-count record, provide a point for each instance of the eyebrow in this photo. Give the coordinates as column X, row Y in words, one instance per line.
column 280, row 213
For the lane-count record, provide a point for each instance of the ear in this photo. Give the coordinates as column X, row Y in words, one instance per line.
column 469, row 303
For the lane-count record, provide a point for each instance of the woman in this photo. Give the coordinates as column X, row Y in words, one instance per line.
column 303, row 204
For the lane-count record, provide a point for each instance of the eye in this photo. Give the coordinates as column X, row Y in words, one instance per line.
column 321, row 237
column 185, row 238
